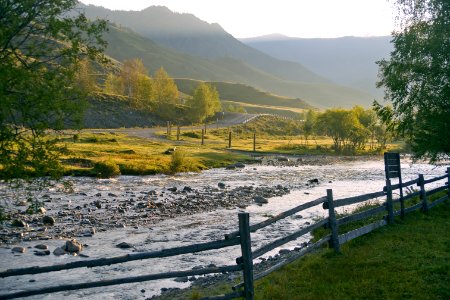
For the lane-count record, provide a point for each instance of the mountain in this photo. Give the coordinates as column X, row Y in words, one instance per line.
column 348, row 60
column 189, row 47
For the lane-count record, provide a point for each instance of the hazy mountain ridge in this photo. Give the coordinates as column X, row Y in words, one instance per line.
column 346, row 60
column 238, row 63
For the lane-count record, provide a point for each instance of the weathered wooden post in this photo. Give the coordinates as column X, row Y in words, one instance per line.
column 332, row 222
column 168, row 125
column 178, row 132
column 247, row 260
column 217, row 123
column 254, row 142
column 448, row 181
column 203, row 136
column 229, row 138
column 423, row 194
column 389, row 206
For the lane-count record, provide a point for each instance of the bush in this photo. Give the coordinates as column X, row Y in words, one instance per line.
column 177, row 161
column 191, row 135
column 106, row 169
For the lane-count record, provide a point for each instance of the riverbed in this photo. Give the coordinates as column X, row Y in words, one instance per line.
column 156, row 212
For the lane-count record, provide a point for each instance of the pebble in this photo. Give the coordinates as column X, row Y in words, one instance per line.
column 42, row 253
column 124, row 245
column 41, row 247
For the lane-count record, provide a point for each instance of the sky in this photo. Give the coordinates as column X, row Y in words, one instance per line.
column 295, row 18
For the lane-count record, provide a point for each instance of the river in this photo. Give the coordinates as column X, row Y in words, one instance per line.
column 345, row 177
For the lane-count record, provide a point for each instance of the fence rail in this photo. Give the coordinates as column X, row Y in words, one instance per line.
column 384, row 212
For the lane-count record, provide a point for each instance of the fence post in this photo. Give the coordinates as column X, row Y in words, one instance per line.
column 332, row 221
column 448, row 182
column 203, row 136
column 423, row 195
column 246, row 249
column 178, row 132
column 254, row 142
column 229, row 139
column 389, row 206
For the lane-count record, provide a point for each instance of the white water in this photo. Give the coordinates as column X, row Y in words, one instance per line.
column 346, row 179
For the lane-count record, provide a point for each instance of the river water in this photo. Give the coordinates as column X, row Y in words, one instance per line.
column 346, row 178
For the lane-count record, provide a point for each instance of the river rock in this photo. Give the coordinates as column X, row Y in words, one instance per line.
column 187, row 189
column 73, row 246
column 260, row 200
column 47, row 220
column 42, row 253
column 19, row 223
column 181, row 279
column 239, row 165
column 124, row 245
column 283, row 159
column 98, row 204
column 19, row 249
column 172, row 189
column 41, row 247
column 221, row 185
column 59, row 251
column 42, row 210
column 313, row 181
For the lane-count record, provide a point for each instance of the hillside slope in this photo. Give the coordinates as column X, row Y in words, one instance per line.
column 348, row 60
column 301, row 83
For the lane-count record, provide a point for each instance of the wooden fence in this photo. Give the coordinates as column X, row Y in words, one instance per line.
column 383, row 212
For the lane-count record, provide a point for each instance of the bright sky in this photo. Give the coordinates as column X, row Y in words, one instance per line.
column 295, row 18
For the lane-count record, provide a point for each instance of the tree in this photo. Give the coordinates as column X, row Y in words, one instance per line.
column 416, row 77
column 41, row 46
column 165, row 94
column 204, row 102
column 309, row 124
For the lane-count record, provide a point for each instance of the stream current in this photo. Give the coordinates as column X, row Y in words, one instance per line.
column 346, row 178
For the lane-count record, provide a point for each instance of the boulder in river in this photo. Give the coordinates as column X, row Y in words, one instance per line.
column 19, row 249
column 221, row 185
column 73, row 246
column 261, row 200
column 124, row 245
column 59, row 251
column 47, row 220
column 19, row 223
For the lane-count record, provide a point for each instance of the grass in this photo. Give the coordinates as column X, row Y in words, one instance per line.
column 138, row 156
column 410, row 259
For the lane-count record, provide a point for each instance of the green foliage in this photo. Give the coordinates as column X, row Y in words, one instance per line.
column 165, row 95
column 178, row 160
column 415, row 78
column 41, row 48
column 106, row 169
column 415, row 250
column 204, row 103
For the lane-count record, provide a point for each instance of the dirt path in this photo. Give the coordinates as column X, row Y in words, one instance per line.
column 229, row 119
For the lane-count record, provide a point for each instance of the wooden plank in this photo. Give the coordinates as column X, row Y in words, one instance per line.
column 290, row 259
column 436, row 202
column 117, row 281
column 124, row 258
column 404, row 184
column 411, row 195
column 281, row 241
column 413, row 208
column 343, row 238
column 280, row 216
column 361, row 215
column 293, row 258
column 436, row 190
column 357, row 199
column 435, row 179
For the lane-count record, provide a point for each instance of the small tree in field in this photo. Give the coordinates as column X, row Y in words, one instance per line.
column 204, row 103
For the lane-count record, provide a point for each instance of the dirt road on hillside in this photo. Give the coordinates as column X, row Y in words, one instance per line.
column 229, row 119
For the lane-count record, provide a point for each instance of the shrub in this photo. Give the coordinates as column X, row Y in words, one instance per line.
column 177, row 161
column 106, row 169
column 191, row 135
